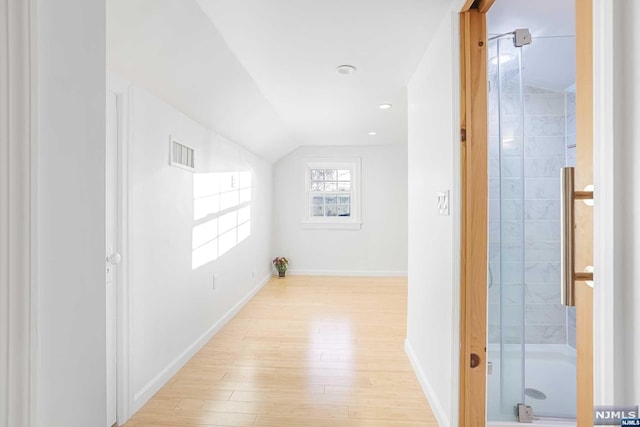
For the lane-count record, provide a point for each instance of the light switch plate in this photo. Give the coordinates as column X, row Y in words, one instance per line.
column 443, row 202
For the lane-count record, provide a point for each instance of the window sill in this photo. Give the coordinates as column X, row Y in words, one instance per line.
column 317, row 225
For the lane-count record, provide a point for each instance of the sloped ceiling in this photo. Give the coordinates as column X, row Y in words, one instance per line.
column 548, row 62
column 262, row 72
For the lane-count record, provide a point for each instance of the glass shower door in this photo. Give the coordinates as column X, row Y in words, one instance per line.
column 531, row 336
column 506, row 291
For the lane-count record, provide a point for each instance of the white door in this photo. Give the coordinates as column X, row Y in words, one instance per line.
column 112, row 256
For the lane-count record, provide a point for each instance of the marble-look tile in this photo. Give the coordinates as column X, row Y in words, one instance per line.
column 545, row 334
column 493, row 284
column 542, row 230
column 511, row 273
column 494, row 126
column 512, row 230
column 543, row 167
column 545, row 314
column 543, row 188
column 505, row 252
column 542, row 251
column 493, row 334
column 511, row 167
column 544, row 104
column 512, row 334
column 494, row 252
column 571, row 123
column 511, row 146
column 494, row 188
column 494, row 278
column 512, row 315
column 512, row 188
column 542, row 293
column 513, row 294
column 493, row 314
column 536, row 146
column 494, row 209
column 506, row 230
column 494, row 228
column 571, row 317
column 542, row 272
column 511, row 126
column 542, row 209
column 539, row 90
column 494, row 167
column 571, row 336
column 510, row 104
column 493, row 146
column 544, row 125
column 510, row 209
column 571, row 102
column 571, row 157
column 509, row 82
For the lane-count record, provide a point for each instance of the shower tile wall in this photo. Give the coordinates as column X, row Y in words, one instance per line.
column 544, row 154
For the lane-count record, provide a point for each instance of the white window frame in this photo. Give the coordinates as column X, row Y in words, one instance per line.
column 338, row 222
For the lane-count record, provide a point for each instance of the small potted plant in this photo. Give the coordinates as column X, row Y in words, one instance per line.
column 281, row 264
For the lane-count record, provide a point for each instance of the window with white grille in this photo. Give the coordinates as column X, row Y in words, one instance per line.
column 332, row 193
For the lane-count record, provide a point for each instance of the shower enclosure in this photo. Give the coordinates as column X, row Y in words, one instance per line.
column 531, row 336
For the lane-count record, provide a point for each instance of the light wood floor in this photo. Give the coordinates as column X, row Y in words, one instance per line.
column 304, row 352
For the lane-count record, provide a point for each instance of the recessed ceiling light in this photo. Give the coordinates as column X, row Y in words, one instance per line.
column 372, row 133
column 345, row 69
column 384, row 106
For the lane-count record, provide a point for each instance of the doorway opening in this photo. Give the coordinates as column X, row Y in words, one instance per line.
column 532, row 135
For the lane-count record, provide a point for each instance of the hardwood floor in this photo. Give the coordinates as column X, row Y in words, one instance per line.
column 304, row 352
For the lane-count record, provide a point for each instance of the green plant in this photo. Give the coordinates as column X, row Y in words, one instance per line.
column 281, row 264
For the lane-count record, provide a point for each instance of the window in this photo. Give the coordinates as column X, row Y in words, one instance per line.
column 332, row 193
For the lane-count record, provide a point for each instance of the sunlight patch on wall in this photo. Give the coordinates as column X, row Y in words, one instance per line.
column 222, row 214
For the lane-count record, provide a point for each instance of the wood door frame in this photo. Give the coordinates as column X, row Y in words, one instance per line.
column 474, row 213
column 603, row 305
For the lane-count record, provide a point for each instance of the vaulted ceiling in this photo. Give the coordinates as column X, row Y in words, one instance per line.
column 549, row 61
column 263, row 72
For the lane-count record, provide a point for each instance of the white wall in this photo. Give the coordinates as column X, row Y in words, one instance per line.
column 626, row 199
column 70, row 347
column 433, row 243
column 379, row 247
column 175, row 309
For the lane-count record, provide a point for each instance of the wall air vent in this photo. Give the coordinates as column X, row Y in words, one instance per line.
column 181, row 156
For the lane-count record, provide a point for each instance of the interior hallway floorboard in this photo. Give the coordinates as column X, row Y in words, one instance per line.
column 304, row 352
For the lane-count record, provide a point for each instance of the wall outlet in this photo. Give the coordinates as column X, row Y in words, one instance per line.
column 213, row 282
column 253, row 274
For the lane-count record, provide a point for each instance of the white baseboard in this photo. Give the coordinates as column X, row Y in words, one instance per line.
column 350, row 273
column 153, row 386
column 441, row 416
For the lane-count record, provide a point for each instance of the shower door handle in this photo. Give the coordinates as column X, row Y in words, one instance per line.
column 568, row 275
